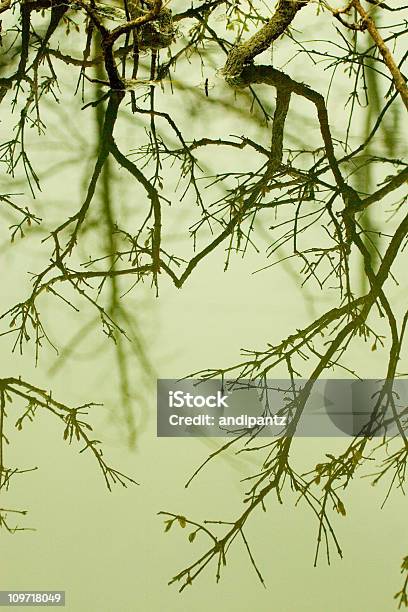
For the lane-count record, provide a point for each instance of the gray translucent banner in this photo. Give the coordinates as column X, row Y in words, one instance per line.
column 276, row 407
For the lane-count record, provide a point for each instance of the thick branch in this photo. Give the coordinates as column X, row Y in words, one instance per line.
column 5, row 5
column 259, row 42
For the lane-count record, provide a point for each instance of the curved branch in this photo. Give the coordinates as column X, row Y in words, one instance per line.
column 244, row 53
column 389, row 61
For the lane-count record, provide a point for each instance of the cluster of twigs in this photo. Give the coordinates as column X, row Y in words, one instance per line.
column 30, row 401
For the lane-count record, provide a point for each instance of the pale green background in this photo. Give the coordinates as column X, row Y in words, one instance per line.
column 109, row 551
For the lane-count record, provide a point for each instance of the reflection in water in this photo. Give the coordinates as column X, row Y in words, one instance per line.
column 208, row 170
